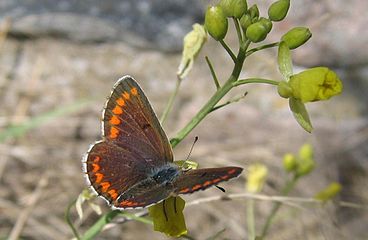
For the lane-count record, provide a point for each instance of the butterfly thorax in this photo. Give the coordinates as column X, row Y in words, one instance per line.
column 159, row 181
column 165, row 174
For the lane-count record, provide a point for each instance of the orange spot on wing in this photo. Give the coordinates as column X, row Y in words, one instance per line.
column 96, row 167
column 97, row 159
column 206, row 183
column 185, row 190
column 120, row 102
column 225, row 177
column 113, row 194
column 232, row 171
column 114, row 120
column 216, row 180
column 105, row 186
column 99, row 177
column 126, row 95
column 134, row 91
column 196, row 187
column 114, row 132
column 117, row 110
column 128, row 203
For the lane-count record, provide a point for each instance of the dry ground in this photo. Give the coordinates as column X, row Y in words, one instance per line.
column 40, row 172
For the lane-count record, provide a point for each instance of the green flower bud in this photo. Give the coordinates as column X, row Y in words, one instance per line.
column 256, row 32
column 305, row 163
column 254, row 13
column 315, row 84
column 245, row 22
column 306, row 151
column 329, row 192
column 234, row 8
column 296, row 37
column 304, row 166
column 266, row 23
column 289, row 162
column 278, row 10
column 216, row 22
column 284, row 89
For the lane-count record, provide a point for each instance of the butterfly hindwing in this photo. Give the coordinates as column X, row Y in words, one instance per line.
column 201, row 179
column 129, row 120
column 111, row 170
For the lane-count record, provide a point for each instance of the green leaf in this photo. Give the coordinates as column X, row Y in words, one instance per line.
column 300, row 113
column 168, row 217
column 284, row 61
column 20, row 130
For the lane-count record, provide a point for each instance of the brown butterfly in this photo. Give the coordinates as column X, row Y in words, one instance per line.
column 132, row 166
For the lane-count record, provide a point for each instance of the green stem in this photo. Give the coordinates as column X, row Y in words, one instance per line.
column 237, row 99
column 276, row 206
column 97, row 227
column 250, row 219
column 69, row 221
column 228, row 50
column 213, row 73
column 238, row 31
column 253, row 50
column 171, row 101
column 255, row 80
column 207, row 108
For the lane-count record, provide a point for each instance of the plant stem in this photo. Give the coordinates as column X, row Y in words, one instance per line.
column 207, row 108
column 212, row 72
column 255, row 80
column 237, row 99
column 228, row 50
column 276, row 206
column 253, row 50
column 250, row 219
column 238, row 31
column 97, row 227
column 69, row 221
column 171, row 101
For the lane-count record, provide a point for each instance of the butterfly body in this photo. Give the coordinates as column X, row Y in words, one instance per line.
column 132, row 166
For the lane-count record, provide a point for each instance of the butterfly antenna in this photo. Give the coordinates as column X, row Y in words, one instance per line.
column 190, row 152
column 191, row 148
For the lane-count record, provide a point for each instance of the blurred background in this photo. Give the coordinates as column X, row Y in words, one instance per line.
column 60, row 59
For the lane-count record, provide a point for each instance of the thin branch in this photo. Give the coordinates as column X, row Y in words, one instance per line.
column 262, row 197
column 238, row 30
column 170, row 103
column 69, row 221
column 253, row 50
column 228, row 50
column 237, row 99
column 213, row 73
column 255, row 80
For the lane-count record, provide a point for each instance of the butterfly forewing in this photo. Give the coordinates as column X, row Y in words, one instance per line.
column 133, row 143
column 129, row 120
column 201, row 179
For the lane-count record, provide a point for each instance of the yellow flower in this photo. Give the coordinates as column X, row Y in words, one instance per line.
column 257, row 174
column 315, row 84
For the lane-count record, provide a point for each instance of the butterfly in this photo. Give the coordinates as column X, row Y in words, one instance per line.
column 132, row 166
